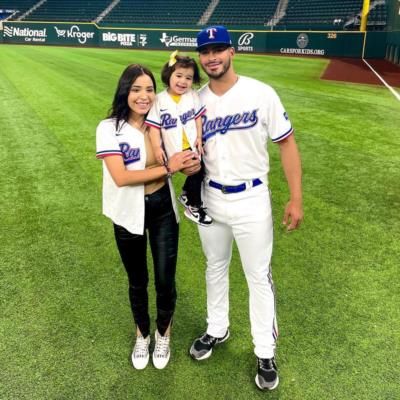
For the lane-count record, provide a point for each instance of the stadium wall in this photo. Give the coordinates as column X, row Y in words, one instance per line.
column 306, row 43
column 393, row 34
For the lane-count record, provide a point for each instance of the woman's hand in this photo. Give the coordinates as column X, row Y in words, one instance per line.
column 185, row 160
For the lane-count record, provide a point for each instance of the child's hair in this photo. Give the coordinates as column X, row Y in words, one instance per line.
column 180, row 62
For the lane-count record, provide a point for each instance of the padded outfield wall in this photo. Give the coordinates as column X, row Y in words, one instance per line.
column 393, row 34
column 306, row 43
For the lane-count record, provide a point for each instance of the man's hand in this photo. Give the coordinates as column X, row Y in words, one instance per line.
column 191, row 166
column 291, row 163
column 293, row 214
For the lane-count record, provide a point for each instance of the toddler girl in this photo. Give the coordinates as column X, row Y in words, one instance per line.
column 175, row 125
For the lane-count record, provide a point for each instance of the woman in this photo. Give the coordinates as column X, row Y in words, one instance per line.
column 138, row 197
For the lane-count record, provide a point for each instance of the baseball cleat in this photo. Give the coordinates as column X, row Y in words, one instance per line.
column 198, row 215
column 140, row 354
column 267, row 374
column 161, row 352
column 202, row 347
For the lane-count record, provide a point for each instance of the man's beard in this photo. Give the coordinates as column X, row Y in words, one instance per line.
column 218, row 75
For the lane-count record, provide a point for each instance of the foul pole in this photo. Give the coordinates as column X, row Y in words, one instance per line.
column 364, row 16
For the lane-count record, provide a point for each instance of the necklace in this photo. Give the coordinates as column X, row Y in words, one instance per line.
column 139, row 125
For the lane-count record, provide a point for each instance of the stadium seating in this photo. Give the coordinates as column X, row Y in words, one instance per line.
column 317, row 14
column 239, row 12
column 378, row 16
column 157, row 12
column 21, row 5
column 69, row 10
column 299, row 14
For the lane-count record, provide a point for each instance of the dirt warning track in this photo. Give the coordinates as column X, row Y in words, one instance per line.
column 356, row 71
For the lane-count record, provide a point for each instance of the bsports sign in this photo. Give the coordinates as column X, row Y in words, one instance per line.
column 245, row 42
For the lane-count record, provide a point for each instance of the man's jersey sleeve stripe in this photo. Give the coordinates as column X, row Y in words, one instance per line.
column 284, row 136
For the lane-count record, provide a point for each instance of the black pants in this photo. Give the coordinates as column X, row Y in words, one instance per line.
column 162, row 229
column 192, row 187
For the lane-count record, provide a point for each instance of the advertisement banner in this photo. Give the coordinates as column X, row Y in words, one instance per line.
column 156, row 39
column 299, row 43
column 185, row 40
column 62, row 34
column 331, row 44
column 30, row 34
column 123, row 38
column 325, row 44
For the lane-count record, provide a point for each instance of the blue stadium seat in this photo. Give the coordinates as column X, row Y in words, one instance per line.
column 299, row 14
column 20, row 5
column 174, row 12
column 319, row 14
column 69, row 10
column 239, row 12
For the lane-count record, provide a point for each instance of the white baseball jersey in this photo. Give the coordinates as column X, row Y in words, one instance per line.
column 124, row 205
column 172, row 118
column 236, row 128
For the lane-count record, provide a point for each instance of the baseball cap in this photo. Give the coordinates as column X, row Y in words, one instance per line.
column 217, row 34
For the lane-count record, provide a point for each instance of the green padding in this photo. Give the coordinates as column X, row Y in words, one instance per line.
column 331, row 44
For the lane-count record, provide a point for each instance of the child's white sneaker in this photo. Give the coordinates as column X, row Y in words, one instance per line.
column 198, row 215
column 140, row 354
column 161, row 352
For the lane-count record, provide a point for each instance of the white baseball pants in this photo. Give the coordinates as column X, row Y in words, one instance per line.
column 245, row 217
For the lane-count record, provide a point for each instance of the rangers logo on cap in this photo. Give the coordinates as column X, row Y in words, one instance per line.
column 213, row 35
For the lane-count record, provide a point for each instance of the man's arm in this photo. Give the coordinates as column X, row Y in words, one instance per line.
column 291, row 163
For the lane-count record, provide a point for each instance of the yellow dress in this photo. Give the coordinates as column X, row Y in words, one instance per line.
column 185, row 141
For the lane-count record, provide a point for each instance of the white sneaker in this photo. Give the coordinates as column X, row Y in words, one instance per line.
column 140, row 354
column 198, row 215
column 161, row 352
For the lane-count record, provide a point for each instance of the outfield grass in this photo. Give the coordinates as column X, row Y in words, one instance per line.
column 65, row 326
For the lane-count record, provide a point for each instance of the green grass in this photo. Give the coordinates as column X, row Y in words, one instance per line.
column 66, row 330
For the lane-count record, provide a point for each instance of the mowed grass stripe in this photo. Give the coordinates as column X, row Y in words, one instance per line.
column 48, row 263
column 68, row 105
column 330, row 303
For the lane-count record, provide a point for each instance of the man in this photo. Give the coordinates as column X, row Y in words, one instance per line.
column 242, row 113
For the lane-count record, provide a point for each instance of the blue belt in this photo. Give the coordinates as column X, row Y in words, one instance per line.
column 233, row 189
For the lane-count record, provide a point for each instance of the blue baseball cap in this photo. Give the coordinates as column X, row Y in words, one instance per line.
column 217, row 34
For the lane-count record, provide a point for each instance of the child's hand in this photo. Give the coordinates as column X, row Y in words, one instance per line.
column 199, row 146
column 160, row 156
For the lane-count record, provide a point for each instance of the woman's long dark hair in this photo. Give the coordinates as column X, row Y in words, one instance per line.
column 120, row 109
